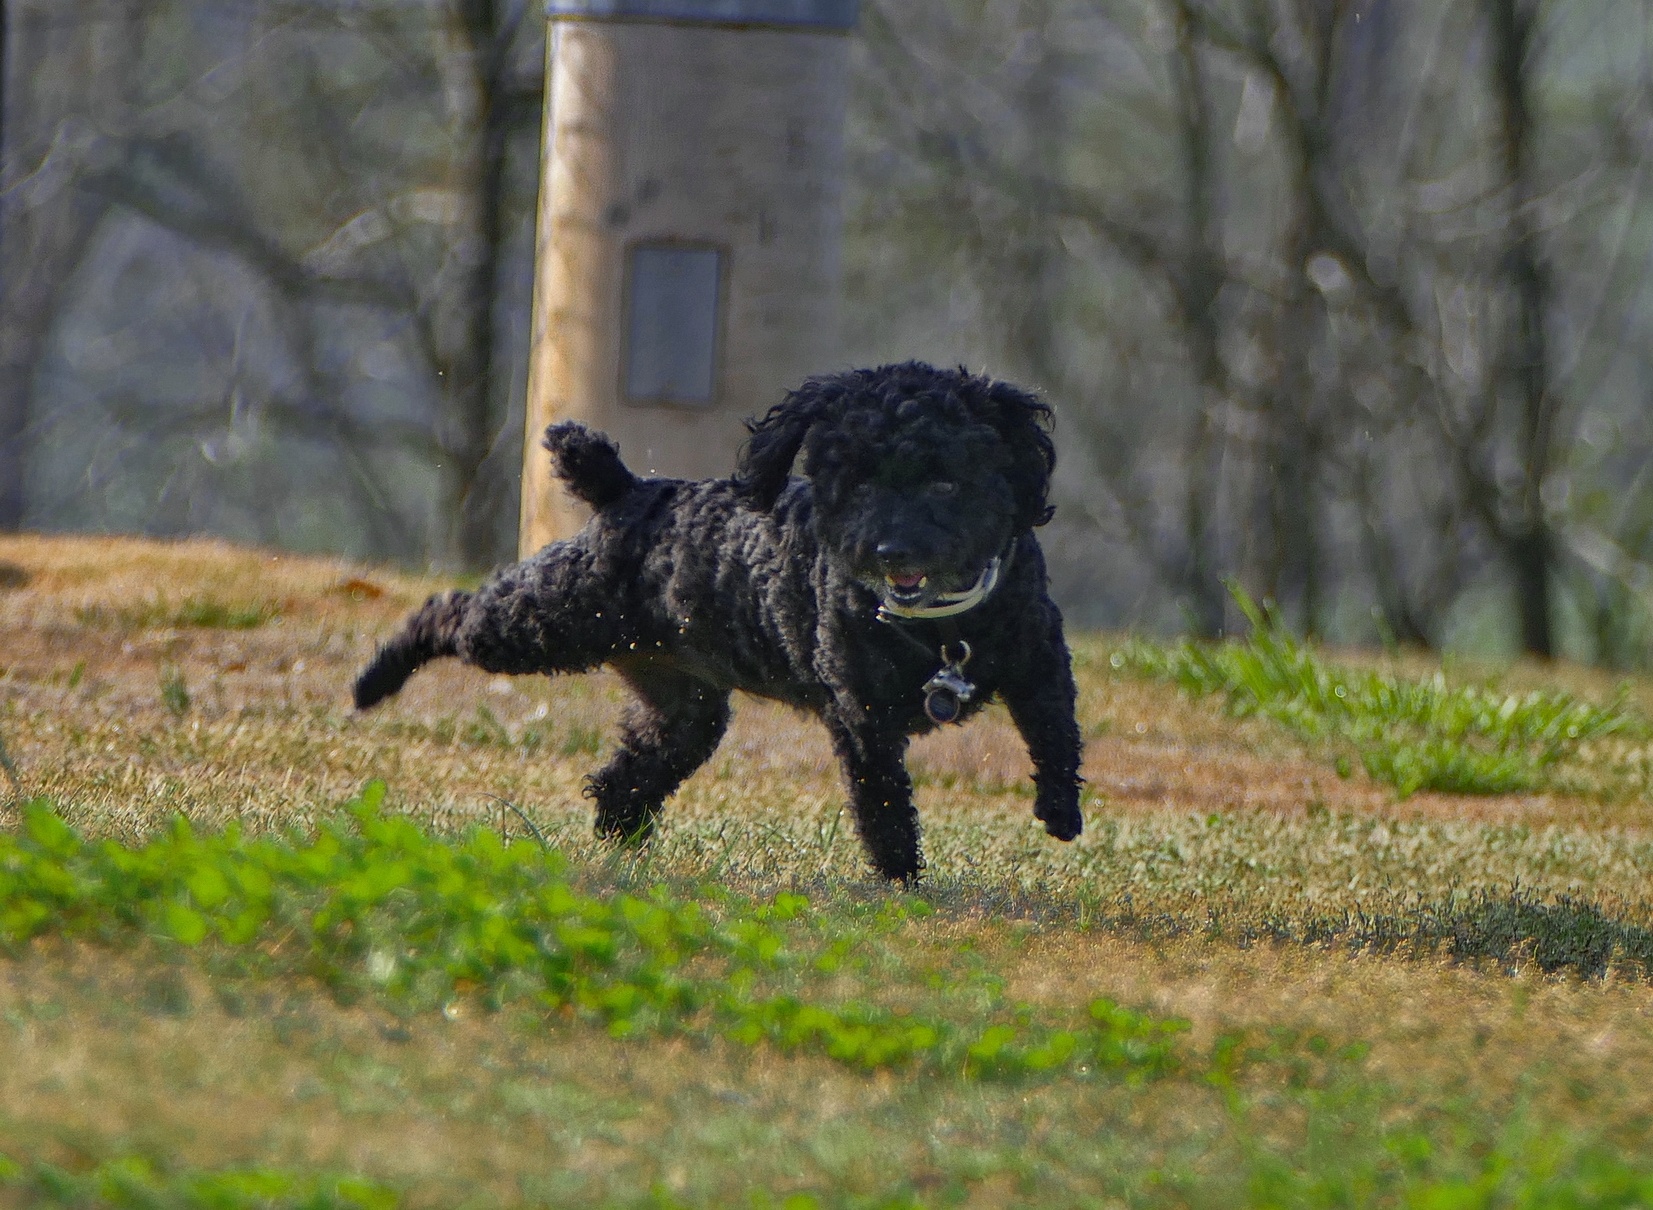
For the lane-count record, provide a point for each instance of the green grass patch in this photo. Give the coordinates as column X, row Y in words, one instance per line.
column 1345, row 1159
column 372, row 903
column 1412, row 734
column 174, row 690
column 1347, row 1156
column 192, row 613
column 134, row 1183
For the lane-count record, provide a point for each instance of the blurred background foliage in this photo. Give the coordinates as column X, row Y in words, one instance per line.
column 1347, row 301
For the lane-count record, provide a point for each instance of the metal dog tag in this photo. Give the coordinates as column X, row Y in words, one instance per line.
column 947, row 691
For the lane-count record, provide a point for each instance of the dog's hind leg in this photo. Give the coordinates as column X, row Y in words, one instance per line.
column 556, row 612
column 674, row 724
column 428, row 634
column 880, row 794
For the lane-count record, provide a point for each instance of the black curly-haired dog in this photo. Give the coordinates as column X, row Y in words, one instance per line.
column 896, row 585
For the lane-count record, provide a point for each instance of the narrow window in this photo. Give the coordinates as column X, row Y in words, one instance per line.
column 674, row 303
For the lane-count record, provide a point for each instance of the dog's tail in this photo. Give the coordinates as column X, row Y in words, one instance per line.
column 588, row 462
column 430, row 633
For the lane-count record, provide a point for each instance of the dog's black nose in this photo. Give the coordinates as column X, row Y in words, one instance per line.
column 894, row 551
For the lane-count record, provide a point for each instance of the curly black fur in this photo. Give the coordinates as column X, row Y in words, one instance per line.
column 770, row 583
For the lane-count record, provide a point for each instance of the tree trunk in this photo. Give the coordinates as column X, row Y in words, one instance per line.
column 1200, row 280
column 14, row 412
column 1031, row 316
column 1528, row 543
column 484, row 112
column 1533, row 563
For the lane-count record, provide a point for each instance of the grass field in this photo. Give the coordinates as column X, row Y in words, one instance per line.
column 1342, row 930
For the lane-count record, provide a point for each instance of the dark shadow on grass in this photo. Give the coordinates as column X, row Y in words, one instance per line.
column 1513, row 929
column 1563, row 935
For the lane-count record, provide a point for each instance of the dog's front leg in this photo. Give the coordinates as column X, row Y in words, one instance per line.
column 673, row 726
column 873, row 752
column 1042, row 696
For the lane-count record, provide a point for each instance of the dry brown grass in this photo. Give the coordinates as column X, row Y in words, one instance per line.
column 270, row 737
column 1188, row 810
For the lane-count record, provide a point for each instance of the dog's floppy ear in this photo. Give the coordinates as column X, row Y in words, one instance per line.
column 766, row 459
column 1023, row 421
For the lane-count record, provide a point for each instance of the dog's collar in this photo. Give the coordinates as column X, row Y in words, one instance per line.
column 946, row 604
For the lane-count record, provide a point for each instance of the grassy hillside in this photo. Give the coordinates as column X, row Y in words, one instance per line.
column 1293, row 960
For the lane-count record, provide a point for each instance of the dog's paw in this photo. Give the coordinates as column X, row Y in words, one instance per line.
column 905, row 874
column 1062, row 820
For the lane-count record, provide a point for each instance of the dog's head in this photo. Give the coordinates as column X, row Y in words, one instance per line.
column 920, row 477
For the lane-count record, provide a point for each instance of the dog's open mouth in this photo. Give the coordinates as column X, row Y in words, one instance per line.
column 917, row 594
column 907, row 587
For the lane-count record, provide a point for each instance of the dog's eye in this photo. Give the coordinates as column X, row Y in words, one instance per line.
column 943, row 487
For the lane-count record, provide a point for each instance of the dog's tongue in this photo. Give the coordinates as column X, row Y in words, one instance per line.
column 907, row 580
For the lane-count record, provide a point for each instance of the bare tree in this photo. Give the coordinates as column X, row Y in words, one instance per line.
column 1281, row 313
column 487, row 95
column 1523, row 528
column 404, row 248
column 52, row 125
column 993, row 142
column 489, row 100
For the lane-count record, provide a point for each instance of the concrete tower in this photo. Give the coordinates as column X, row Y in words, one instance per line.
column 689, row 227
